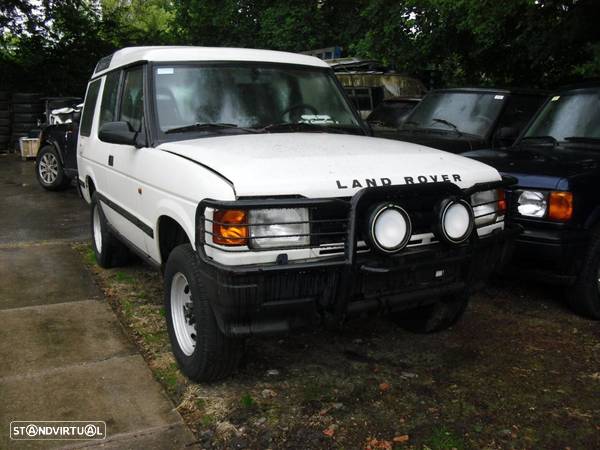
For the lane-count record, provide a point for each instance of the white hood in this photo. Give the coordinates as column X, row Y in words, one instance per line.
column 325, row 164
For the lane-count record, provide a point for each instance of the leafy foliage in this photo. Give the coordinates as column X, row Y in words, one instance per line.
column 53, row 45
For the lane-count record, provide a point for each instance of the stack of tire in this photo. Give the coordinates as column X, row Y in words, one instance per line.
column 27, row 111
column 4, row 122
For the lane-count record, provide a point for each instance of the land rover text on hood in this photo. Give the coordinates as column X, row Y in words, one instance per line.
column 557, row 165
column 251, row 181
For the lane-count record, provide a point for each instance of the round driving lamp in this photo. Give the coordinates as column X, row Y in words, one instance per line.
column 455, row 221
column 389, row 228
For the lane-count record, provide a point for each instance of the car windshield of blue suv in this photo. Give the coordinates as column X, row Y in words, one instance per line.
column 569, row 117
column 462, row 112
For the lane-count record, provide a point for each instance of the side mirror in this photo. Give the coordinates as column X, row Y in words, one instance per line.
column 118, row 133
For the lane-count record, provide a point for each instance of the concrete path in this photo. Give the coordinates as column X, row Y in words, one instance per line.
column 63, row 353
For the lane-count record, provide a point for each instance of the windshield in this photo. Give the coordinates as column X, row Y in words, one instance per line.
column 250, row 96
column 470, row 112
column 569, row 116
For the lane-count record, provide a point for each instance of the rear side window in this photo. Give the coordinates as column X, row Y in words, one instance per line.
column 87, row 117
column 132, row 102
column 108, row 108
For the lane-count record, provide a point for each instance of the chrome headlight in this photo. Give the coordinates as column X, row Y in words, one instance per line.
column 532, row 203
column 389, row 228
column 283, row 227
column 455, row 221
column 486, row 207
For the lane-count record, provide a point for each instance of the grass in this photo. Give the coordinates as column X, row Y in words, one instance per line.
column 519, row 371
column 123, row 277
column 89, row 255
column 169, row 376
column 442, row 439
column 247, row 401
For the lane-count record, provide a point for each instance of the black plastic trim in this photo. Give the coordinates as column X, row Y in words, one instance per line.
column 134, row 248
column 133, row 219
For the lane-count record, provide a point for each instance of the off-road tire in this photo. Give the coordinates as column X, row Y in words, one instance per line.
column 584, row 296
column 62, row 181
column 435, row 317
column 215, row 356
column 112, row 252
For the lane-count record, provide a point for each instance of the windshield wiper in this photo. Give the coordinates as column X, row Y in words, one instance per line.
column 205, row 127
column 304, row 126
column 583, row 139
column 544, row 139
column 446, row 122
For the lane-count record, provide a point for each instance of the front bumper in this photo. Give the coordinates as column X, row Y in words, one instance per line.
column 278, row 297
column 549, row 255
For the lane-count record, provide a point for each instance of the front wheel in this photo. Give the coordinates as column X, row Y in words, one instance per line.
column 49, row 169
column 201, row 350
column 435, row 317
column 584, row 296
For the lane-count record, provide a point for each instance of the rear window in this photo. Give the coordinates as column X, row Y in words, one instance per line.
column 87, row 117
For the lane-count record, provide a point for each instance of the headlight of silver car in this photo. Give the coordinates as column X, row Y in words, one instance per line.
column 283, row 227
column 486, row 206
column 532, row 203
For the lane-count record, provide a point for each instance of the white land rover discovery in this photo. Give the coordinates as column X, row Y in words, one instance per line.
column 249, row 178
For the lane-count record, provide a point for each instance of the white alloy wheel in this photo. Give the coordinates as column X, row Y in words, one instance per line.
column 48, row 168
column 97, row 229
column 182, row 314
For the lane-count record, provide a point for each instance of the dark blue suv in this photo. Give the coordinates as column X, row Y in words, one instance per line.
column 556, row 161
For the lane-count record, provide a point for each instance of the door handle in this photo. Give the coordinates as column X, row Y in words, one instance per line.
column 111, row 160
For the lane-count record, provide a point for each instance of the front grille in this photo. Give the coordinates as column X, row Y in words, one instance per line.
column 330, row 225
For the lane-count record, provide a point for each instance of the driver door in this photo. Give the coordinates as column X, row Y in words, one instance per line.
column 122, row 161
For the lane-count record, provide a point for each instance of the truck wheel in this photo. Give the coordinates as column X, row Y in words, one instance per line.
column 202, row 351
column 49, row 170
column 435, row 317
column 584, row 296
column 109, row 251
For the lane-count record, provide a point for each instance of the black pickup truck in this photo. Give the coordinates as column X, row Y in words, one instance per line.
column 464, row 119
column 556, row 161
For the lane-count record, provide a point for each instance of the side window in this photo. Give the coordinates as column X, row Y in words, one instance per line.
column 132, row 101
column 87, row 117
column 108, row 107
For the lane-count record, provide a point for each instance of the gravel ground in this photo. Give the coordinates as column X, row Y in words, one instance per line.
column 520, row 371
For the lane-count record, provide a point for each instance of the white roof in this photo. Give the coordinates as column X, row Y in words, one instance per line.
column 131, row 55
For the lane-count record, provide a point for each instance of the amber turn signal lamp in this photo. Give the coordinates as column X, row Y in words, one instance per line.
column 560, row 206
column 229, row 227
column 501, row 201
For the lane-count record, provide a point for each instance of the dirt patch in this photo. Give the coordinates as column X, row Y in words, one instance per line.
column 519, row 371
